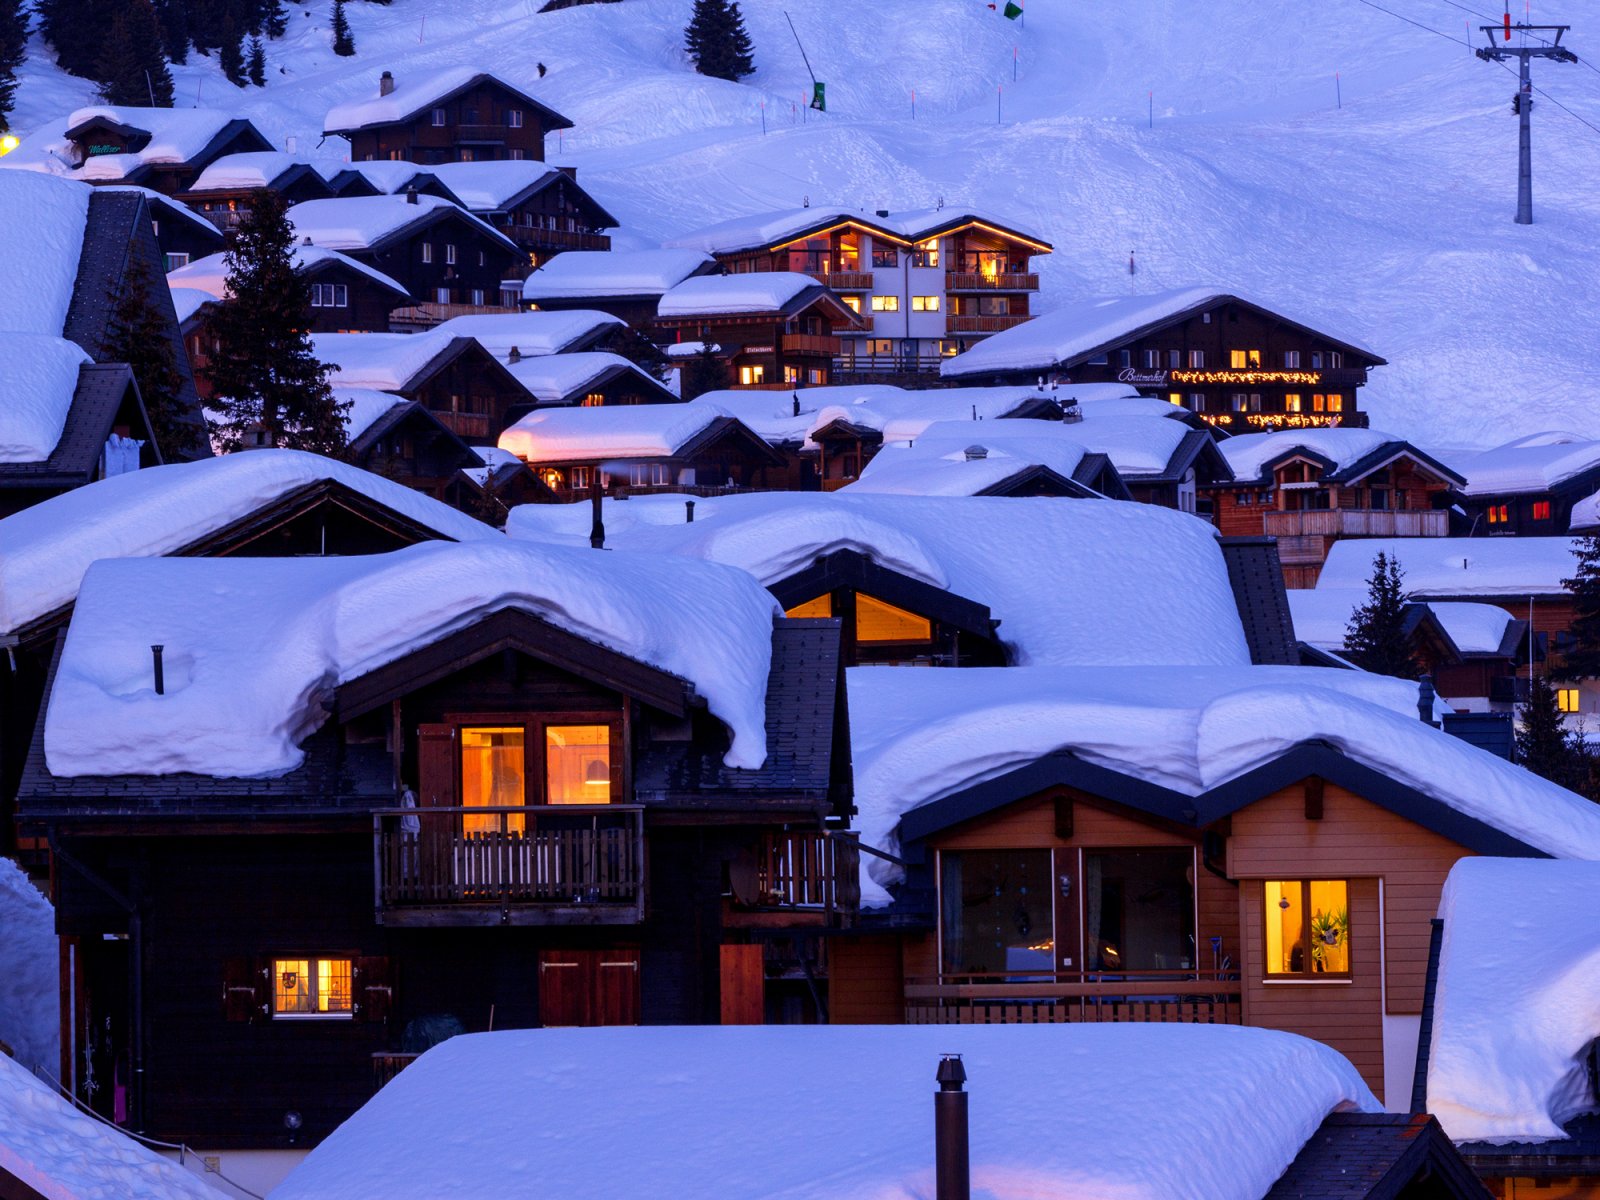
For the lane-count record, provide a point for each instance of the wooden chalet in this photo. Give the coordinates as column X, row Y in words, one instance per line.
column 588, row 379
column 509, row 826
column 407, row 443
column 388, row 178
column 163, row 149
column 496, row 484
column 627, row 284
column 926, row 285
column 1530, row 486
column 1310, row 489
column 1238, row 365
column 182, row 234
column 225, row 191
column 459, row 115
column 444, row 257
column 1297, row 895
column 454, row 378
column 774, row 330
column 542, row 209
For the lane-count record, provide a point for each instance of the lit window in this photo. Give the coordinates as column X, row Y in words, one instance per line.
column 877, row 621
column 1308, row 927
column 1236, row 359
column 924, row 304
column 594, row 400
column 853, row 303
column 582, row 477
column 514, row 118
column 1567, row 699
column 1291, row 360
column 493, row 776
column 886, row 304
column 926, row 254
column 1335, row 402
column 791, row 374
column 1175, row 397
column 749, row 376
column 885, row 256
column 822, row 606
column 438, row 117
column 1291, row 402
column 816, row 375
column 1238, row 400
column 1541, row 510
column 1319, row 402
column 1254, row 358
column 1197, row 360
column 577, row 764
column 311, row 987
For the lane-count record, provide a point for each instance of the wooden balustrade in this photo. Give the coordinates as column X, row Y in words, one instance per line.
column 973, row 281
column 809, row 869
column 561, row 864
column 810, row 343
column 1358, row 522
column 958, row 323
column 846, row 281
column 1152, row 997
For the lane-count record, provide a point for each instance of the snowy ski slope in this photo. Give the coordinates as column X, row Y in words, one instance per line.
column 1388, row 219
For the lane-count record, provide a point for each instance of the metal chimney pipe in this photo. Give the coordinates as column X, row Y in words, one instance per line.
column 953, row 1170
column 597, row 527
column 161, row 678
column 1425, row 694
column 688, row 506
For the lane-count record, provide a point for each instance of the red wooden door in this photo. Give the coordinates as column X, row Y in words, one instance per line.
column 616, row 992
column 564, row 987
column 743, row 986
column 589, row 987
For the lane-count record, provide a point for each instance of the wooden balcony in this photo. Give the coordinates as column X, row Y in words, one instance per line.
column 805, row 872
column 1357, row 522
column 566, row 864
column 846, row 281
column 1151, row 997
column 482, row 133
column 970, row 281
column 433, row 313
column 957, row 323
column 467, row 425
column 556, row 239
column 810, row 343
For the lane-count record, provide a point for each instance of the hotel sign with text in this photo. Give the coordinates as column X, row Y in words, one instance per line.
column 1159, row 378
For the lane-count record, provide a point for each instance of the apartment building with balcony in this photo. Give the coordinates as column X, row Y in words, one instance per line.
column 927, row 284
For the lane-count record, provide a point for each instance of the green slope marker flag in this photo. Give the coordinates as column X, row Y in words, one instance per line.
column 1013, row 9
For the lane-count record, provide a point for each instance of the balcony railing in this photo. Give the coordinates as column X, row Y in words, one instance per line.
column 1150, row 996
column 969, row 281
column 564, row 239
column 809, row 870
column 1358, row 522
column 483, row 133
column 957, row 323
column 887, row 364
column 466, row 425
column 810, row 343
column 846, row 281
column 561, row 864
column 434, row 313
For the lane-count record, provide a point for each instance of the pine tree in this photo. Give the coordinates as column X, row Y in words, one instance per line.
column 344, row 43
column 275, row 20
column 1375, row 640
column 138, row 336
column 717, row 40
column 256, row 64
column 13, row 47
column 1543, row 744
column 703, row 373
column 265, row 375
column 76, row 30
column 132, row 68
column 1581, row 659
column 230, row 54
column 174, row 18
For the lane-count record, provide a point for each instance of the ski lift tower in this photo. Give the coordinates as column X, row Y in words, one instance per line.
column 1537, row 41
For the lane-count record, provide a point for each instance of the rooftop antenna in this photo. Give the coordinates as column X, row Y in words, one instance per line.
column 1522, row 102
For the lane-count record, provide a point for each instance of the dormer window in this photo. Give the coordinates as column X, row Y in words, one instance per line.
column 546, row 759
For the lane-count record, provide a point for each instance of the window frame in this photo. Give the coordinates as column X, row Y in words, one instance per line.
column 311, row 960
column 440, row 118
column 535, row 767
column 1307, row 975
column 1576, row 703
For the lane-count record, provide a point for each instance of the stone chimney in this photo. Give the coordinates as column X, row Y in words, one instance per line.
column 385, row 83
column 977, row 453
column 411, row 194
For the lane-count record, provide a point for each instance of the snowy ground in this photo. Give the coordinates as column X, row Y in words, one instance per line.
column 30, row 1017
column 1388, row 218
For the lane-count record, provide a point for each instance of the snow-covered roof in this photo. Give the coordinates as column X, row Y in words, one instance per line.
column 1457, row 566
column 1117, row 400
column 255, row 169
column 177, row 135
column 391, row 176
column 490, row 186
column 753, row 292
column 1586, row 515
column 944, row 460
column 1249, row 453
column 360, row 222
column 1322, row 616
column 1518, row 998
column 45, row 549
column 1072, row 581
column 1136, row 445
column 551, row 378
column 531, row 333
column 38, row 379
column 366, row 407
column 1530, row 464
column 585, row 274
column 693, row 1111
column 776, row 228
column 37, row 272
column 1474, row 628
column 917, row 736
column 186, row 301
column 384, row 362
column 30, row 965
column 607, row 433
column 1079, row 328
column 62, row 1154
column 162, row 204
column 410, row 96
column 210, row 274
column 254, row 645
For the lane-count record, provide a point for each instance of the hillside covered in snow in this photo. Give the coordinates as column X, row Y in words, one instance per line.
column 1208, row 139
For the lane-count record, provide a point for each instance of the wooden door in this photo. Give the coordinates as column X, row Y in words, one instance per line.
column 743, row 986
column 589, row 987
column 616, row 991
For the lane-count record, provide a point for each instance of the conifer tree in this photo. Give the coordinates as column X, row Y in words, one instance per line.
column 256, row 63
column 1375, row 639
column 132, row 68
column 174, row 18
column 275, row 20
column 717, row 40
column 1581, row 659
column 13, row 46
column 76, row 30
column 230, row 54
column 138, row 336
column 1543, row 744
column 344, row 43
column 703, row 373
column 265, row 375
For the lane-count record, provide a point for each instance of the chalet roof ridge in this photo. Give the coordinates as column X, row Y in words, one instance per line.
column 440, row 87
column 404, row 216
column 777, row 228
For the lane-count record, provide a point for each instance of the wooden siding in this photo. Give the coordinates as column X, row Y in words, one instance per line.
column 865, row 982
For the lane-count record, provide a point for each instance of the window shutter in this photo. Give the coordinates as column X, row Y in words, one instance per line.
column 436, row 766
column 244, row 983
column 374, row 989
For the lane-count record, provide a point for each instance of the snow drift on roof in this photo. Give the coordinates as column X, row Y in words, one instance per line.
column 176, row 134
column 1457, row 566
column 186, row 301
column 409, row 96
column 1474, row 628
column 487, row 186
column 38, row 379
column 553, row 377
column 357, row 222
column 1072, row 581
column 773, row 228
column 1518, row 1000
column 623, row 431
column 581, row 274
column 1208, row 1112
column 1248, row 453
column 941, row 461
column 530, row 333
column 1321, row 615
column 917, row 736
column 44, row 550
column 1136, row 445
column 30, row 966
column 1586, row 515
column 366, row 406
column 756, row 292
column 1530, row 464
column 210, row 274
column 253, row 646
column 37, row 272
column 162, row 205
column 253, row 169
column 1120, row 402
column 384, row 362
column 63, row 1154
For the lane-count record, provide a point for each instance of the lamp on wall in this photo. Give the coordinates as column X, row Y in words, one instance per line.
column 595, row 773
